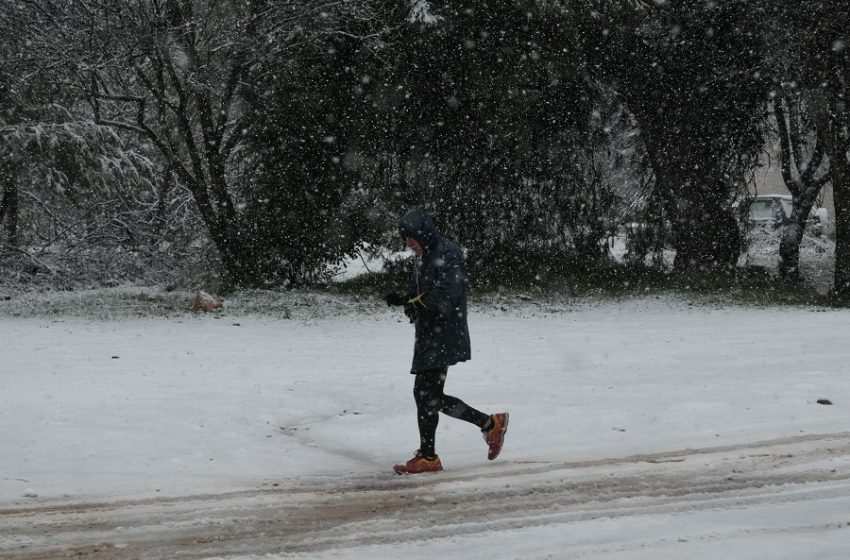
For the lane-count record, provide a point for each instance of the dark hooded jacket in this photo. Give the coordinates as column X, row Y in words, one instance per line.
column 442, row 334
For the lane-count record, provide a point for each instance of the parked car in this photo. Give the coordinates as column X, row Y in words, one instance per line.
column 772, row 211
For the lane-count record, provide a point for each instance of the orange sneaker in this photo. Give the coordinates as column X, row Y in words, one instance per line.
column 419, row 464
column 495, row 436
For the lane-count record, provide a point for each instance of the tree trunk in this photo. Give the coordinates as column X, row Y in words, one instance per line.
column 840, row 171
column 792, row 237
column 237, row 256
column 3, row 205
column 706, row 236
column 9, row 208
column 837, row 144
column 799, row 177
column 705, row 232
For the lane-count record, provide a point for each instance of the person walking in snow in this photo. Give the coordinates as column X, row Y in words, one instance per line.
column 436, row 303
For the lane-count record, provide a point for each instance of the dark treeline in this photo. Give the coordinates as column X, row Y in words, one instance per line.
column 282, row 136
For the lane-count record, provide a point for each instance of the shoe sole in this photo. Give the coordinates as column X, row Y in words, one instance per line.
column 402, row 471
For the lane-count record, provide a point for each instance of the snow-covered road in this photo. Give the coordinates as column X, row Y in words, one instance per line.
column 639, row 429
column 766, row 497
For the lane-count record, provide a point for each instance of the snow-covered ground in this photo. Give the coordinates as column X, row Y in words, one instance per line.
column 646, row 428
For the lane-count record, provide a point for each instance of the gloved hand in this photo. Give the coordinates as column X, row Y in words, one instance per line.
column 411, row 312
column 394, row 298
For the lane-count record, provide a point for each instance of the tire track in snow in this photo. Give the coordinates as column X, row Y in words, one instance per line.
column 329, row 513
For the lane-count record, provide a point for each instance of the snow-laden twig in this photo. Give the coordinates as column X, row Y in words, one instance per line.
column 420, row 12
column 35, row 260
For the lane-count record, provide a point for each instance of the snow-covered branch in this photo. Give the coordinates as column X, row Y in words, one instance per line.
column 421, row 12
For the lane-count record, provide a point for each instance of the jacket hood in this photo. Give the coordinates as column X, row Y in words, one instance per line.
column 417, row 224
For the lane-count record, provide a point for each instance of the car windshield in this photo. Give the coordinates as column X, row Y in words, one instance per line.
column 763, row 210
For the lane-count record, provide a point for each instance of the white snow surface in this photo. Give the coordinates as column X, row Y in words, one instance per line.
column 647, row 428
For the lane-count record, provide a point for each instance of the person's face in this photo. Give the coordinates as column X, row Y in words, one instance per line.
column 413, row 245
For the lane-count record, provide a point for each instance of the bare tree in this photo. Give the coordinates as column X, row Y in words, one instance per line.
column 170, row 72
column 176, row 72
column 803, row 172
column 47, row 148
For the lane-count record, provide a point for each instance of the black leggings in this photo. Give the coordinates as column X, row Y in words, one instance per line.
column 430, row 399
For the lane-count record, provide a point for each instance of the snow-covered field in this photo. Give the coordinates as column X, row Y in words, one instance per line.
column 646, row 428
